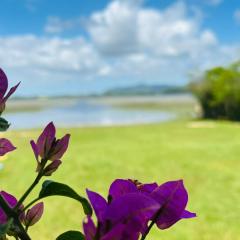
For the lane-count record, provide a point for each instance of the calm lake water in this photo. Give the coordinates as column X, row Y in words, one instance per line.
column 85, row 113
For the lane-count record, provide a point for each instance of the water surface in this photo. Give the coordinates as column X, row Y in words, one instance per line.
column 84, row 113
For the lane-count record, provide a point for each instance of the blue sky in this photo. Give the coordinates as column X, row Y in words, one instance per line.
column 79, row 47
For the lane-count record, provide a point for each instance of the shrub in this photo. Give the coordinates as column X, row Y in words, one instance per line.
column 218, row 92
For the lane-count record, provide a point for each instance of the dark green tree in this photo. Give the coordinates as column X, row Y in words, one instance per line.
column 218, row 92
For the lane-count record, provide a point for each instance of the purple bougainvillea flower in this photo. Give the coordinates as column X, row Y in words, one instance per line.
column 11, row 201
column 173, row 198
column 120, row 187
column 133, row 208
column 34, row 214
column 3, row 90
column 147, row 188
column 115, row 233
column 98, row 203
column 127, row 213
column 121, row 232
column 89, row 228
column 5, row 146
column 48, row 147
column 132, row 205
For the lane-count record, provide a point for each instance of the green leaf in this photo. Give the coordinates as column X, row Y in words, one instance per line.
column 4, row 124
column 5, row 227
column 71, row 235
column 51, row 188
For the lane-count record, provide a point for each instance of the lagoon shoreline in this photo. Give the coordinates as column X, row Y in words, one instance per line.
column 98, row 111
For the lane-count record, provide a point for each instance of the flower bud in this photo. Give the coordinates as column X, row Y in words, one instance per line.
column 48, row 147
column 34, row 214
column 52, row 167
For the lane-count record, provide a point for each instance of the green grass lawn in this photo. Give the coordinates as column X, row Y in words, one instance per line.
column 205, row 154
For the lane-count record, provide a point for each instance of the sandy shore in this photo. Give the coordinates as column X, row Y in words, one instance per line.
column 37, row 104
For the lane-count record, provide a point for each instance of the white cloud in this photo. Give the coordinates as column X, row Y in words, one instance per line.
column 48, row 53
column 127, row 42
column 149, row 43
column 236, row 16
column 58, row 25
column 125, row 28
column 171, row 32
column 114, row 30
column 51, row 65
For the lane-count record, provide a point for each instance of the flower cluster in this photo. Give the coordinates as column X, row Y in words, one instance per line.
column 132, row 205
column 49, row 148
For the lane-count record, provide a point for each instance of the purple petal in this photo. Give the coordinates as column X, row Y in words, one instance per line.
column 34, row 214
column 187, row 214
column 11, row 91
column 173, row 199
column 89, row 229
column 131, row 206
column 98, row 203
column 115, row 233
column 46, row 139
column 147, row 188
column 121, row 232
column 52, row 167
column 35, row 149
column 11, row 200
column 5, row 146
column 3, row 83
column 120, row 187
column 60, row 148
column 135, row 225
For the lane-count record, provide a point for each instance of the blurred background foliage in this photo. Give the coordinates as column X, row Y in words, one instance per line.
column 218, row 92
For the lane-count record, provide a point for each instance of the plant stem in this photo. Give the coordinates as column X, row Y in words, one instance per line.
column 33, row 185
column 29, row 205
column 22, row 233
column 12, row 214
column 28, row 191
column 152, row 223
column 148, row 230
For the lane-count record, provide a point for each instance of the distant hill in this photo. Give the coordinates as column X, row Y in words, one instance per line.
column 137, row 90
column 145, row 90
